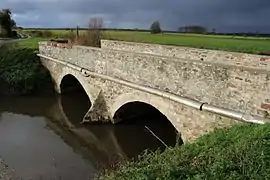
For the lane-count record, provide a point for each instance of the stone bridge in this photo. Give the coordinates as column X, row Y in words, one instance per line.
column 197, row 90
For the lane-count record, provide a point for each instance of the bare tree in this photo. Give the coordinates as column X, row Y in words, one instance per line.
column 92, row 37
column 96, row 23
column 95, row 26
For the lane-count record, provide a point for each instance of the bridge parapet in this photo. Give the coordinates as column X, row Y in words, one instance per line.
column 215, row 56
column 223, row 83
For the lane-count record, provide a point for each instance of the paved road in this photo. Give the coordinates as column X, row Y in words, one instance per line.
column 5, row 41
column 9, row 41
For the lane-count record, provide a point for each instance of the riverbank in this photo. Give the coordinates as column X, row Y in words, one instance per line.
column 240, row 152
column 21, row 72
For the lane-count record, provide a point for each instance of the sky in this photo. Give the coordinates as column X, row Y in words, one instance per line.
column 223, row 15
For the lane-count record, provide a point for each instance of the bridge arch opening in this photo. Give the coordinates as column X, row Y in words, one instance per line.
column 148, row 128
column 74, row 99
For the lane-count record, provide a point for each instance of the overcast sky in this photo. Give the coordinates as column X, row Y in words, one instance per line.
column 223, row 15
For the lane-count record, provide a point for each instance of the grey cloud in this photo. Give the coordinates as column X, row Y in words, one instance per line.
column 229, row 15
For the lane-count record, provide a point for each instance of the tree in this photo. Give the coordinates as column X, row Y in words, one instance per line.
column 6, row 23
column 92, row 37
column 95, row 26
column 155, row 28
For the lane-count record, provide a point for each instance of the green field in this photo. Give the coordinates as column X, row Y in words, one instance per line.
column 31, row 43
column 255, row 45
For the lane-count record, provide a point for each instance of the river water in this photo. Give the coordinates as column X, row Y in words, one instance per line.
column 40, row 139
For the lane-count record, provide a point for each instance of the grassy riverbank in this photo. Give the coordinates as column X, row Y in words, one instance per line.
column 21, row 72
column 240, row 152
column 255, row 45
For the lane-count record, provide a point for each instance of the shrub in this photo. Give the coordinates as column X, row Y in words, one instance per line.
column 92, row 37
column 37, row 33
column 14, row 34
column 47, row 34
column 89, row 38
column 21, row 71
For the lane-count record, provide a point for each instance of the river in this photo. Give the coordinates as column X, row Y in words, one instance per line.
column 39, row 139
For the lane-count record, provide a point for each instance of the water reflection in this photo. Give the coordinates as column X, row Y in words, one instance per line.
column 74, row 101
column 74, row 107
column 33, row 149
column 37, row 137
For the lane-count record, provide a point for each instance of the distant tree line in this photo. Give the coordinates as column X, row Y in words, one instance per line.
column 6, row 23
column 155, row 29
column 193, row 29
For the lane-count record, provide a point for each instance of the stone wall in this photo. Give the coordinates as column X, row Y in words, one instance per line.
column 230, row 80
column 224, row 57
column 107, row 97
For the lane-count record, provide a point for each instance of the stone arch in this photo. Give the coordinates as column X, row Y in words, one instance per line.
column 75, row 101
column 158, row 103
column 80, row 79
column 98, row 110
column 156, row 118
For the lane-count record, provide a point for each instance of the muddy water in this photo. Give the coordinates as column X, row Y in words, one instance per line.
column 40, row 139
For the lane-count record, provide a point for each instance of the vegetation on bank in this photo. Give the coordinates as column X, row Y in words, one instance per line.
column 239, row 152
column 21, row 71
column 255, row 45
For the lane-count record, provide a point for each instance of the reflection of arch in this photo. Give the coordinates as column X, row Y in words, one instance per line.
column 74, row 99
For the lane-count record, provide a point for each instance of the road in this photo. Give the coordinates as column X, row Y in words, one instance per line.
column 5, row 41
column 9, row 41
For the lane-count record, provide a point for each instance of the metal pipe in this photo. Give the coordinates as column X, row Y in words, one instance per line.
column 183, row 100
column 186, row 101
column 222, row 111
column 240, row 116
column 255, row 119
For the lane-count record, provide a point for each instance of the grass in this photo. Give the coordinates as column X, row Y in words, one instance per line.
column 249, row 45
column 239, row 152
column 255, row 45
column 31, row 43
column 21, row 71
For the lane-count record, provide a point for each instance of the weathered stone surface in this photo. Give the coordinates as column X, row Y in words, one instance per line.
column 224, row 57
column 230, row 80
